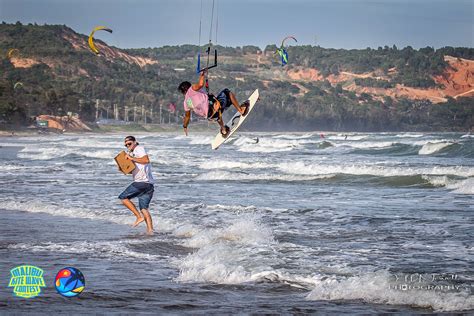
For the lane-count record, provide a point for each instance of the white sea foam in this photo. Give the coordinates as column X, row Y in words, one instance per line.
column 233, row 208
column 225, row 265
column 298, row 281
column 218, row 209
column 438, row 181
column 462, row 187
column 247, row 230
column 465, row 186
column 233, row 176
column 116, row 250
column 91, row 143
column 170, row 158
column 385, row 144
column 269, row 145
column 37, row 153
column 218, row 264
column 57, row 210
column 293, row 136
column 301, row 168
column 227, row 164
column 283, row 144
column 409, row 135
column 431, row 148
column 242, row 140
column 362, row 145
column 201, row 140
column 47, row 153
column 300, row 171
column 243, row 252
column 6, row 167
column 346, row 137
column 100, row 154
column 186, row 230
column 418, row 142
column 226, row 255
column 28, row 169
column 378, row 288
column 263, row 149
column 118, row 216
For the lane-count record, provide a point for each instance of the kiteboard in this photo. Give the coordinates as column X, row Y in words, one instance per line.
column 235, row 122
column 125, row 165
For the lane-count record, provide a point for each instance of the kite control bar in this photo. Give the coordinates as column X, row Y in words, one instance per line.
column 208, row 51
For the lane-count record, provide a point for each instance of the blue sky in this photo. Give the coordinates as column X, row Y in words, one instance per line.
column 328, row 23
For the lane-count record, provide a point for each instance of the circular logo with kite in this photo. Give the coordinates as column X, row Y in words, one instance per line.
column 70, row 282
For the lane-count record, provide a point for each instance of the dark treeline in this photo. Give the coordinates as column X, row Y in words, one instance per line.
column 66, row 79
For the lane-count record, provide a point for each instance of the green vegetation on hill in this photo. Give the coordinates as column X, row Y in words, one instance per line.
column 70, row 79
column 414, row 67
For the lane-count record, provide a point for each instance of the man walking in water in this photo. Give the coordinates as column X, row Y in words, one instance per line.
column 142, row 185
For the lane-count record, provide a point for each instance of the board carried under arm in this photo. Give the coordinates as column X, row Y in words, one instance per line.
column 125, row 165
column 235, row 122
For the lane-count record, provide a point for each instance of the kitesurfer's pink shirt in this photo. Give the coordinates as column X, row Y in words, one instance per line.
column 196, row 101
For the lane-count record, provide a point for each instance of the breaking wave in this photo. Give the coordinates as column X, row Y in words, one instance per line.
column 379, row 288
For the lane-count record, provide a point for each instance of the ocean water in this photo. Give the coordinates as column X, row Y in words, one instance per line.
column 294, row 223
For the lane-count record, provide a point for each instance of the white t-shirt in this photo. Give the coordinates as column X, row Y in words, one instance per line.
column 142, row 172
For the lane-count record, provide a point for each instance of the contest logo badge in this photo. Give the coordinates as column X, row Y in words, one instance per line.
column 70, row 282
column 26, row 281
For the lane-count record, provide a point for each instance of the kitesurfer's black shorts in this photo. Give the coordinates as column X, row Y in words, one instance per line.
column 141, row 190
column 224, row 99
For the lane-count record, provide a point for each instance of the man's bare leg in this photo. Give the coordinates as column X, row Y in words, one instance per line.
column 236, row 104
column 129, row 204
column 148, row 221
column 219, row 118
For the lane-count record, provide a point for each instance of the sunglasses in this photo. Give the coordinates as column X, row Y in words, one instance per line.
column 128, row 144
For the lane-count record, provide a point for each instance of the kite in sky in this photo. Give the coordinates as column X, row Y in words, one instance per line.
column 91, row 37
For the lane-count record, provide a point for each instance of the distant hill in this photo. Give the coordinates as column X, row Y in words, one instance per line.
column 320, row 89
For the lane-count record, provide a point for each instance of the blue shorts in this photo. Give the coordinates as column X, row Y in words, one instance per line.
column 224, row 100
column 142, row 190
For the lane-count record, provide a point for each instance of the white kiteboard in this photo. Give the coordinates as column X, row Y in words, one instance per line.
column 235, row 122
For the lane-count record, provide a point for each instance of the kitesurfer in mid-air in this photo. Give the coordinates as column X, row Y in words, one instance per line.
column 208, row 106
column 142, row 185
